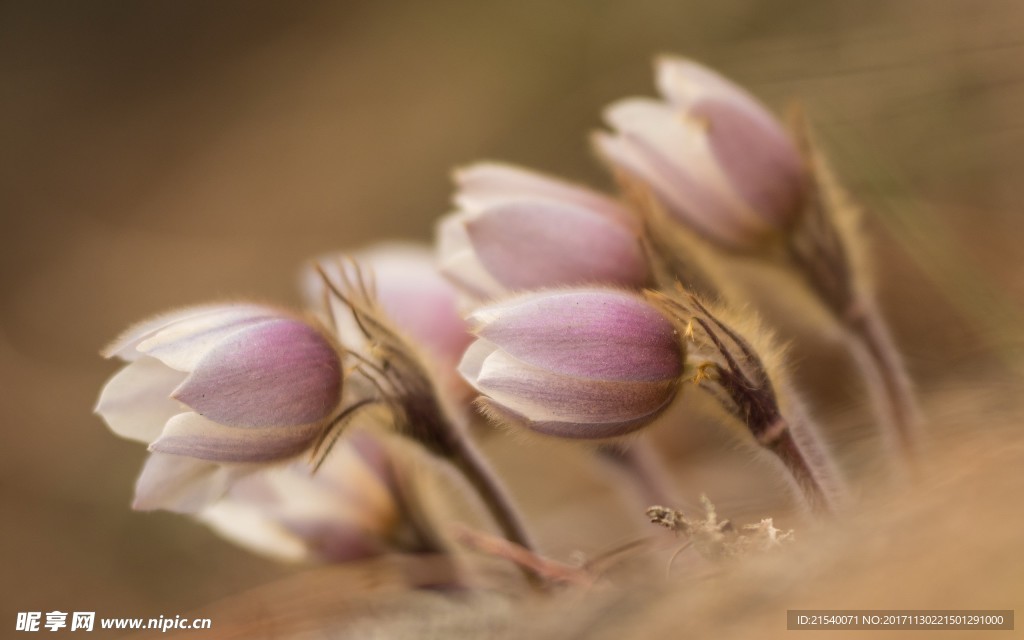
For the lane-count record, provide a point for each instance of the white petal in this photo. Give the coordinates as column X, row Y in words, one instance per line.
column 488, row 184
column 684, row 82
column 124, row 346
column 458, row 261
column 251, row 527
column 136, row 402
column 180, row 484
column 473, row 359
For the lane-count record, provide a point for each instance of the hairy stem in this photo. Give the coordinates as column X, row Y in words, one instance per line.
column 645, row 469
column 885, row 374
column 807, row 463
column 468, row 460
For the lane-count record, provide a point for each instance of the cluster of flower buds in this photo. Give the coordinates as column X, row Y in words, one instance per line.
column 545, row 299
column 242, row 406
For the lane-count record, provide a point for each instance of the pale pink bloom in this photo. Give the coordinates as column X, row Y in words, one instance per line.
column 715, row 157
column 581, row 363
column 345, row 510
column 410, row 290
column 518, row 230
column 228, row 383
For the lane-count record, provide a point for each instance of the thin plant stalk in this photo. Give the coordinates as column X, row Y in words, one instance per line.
column 885, row 374
column 824, row 248
column 641, row 463
column 807, row 462
column 731, row 370
column 466, row 457
column 402, row 378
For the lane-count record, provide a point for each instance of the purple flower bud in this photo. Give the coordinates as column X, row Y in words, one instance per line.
column 231, row 383
column 583, row 363
column 517, row 230
column 409, row 289
column 714, row 157
column 345, row 510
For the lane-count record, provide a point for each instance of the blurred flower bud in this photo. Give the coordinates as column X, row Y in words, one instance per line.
column 582, row 363
column 715, row 158
column 345, row 510
column 519, row 230
column 410, row 291
column 231, row 383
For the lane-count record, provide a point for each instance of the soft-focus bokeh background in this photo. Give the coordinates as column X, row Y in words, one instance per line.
column 158, row 154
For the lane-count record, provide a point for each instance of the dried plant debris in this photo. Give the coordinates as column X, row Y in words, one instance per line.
column 716, row 539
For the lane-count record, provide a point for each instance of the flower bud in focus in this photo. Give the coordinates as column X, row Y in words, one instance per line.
column 231, row 383
column 713, row 155
column 583, row 363
column 520, row 230
column 345, row 510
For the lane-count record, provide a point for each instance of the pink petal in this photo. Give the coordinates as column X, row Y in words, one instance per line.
column 686, row 83
column 416, row 297
column 587, row 333
column 335, row 541
column 542, row 396
column 189, row 434
column 281, row 372
column 671, row 151
column 572, row 430
column 760, row 161
column 136, row 402
column 529, row 245
column 410, row 290
column 183, row 344
column 487, row 184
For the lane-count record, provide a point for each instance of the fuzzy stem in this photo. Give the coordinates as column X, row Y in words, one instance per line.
column 551, row 570
column 467, row 459
column 798, row 459
column 644, row 467
column 884, row 372
column 445, row 433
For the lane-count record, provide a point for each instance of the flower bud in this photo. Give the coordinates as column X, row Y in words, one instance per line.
column 714, row 157
column 519, row 230
column 583, row 363
column 410, row 290
column 232, row 383
column 345, row 510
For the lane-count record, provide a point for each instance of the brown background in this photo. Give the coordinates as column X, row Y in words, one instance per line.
column 157, row 154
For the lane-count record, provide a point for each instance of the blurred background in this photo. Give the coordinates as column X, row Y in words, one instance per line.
column 159, row 154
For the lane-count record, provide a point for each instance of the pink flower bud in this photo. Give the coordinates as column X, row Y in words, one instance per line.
column 518, row 230
column 410, row 290
column 345, row 510
column 583, row 363
column 233, row 383
column 715, row 158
